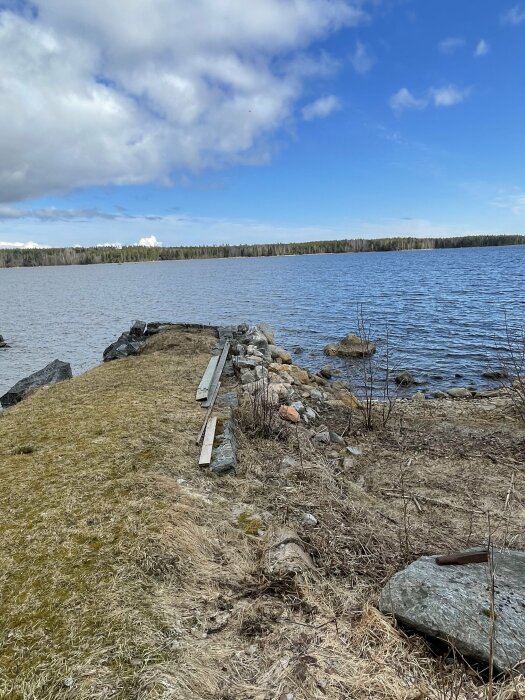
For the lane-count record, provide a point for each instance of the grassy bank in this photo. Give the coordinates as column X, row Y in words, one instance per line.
column 128, row 573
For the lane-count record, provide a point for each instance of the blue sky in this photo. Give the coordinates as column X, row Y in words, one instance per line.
column 275, row 120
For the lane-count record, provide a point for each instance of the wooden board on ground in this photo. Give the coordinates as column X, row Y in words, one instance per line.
column 207, row 445
column 218, row 372
column 207, row 378
column 211, row 401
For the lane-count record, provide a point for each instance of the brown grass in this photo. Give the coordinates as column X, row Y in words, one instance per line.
column 136, row 575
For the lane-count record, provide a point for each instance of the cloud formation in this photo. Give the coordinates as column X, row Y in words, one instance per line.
column 27, row 245
column 451, row 44
column 361, row 60
column 127, row 92
column 321, row 108
column 482, row 48
column 514, row 16
column 445, row 96
column 149, row 242
column 404, row 99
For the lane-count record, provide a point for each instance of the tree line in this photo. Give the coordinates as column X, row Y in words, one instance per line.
column 87, row 256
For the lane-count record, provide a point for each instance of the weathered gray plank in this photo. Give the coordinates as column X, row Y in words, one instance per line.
column 207, row 444
column 211, row 401
column 218, row 372
column 207, row 378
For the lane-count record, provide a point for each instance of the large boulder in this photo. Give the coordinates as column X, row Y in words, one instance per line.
column 280, row 353
column 138, row 329
column 268, row 332
column 125, row 346
column 453, row 603
column 351, row 346
column 54, row 372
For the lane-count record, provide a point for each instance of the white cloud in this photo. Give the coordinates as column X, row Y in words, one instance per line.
column 127, row 92
column 513, row 201
column 321, row 108
column 361, row 60
column 149, row 242
column 445, row 96
column 404, row 99
column 27, row 245
column 451, row 44
column 448, row 96
column 482, row 48
column 515, row 16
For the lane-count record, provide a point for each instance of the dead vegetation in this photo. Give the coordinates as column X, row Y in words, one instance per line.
column 128, row 573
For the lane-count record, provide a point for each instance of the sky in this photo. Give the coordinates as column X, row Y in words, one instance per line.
column 225, row 121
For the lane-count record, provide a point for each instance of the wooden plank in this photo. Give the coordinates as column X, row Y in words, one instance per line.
column 207, row 378
column 208, row 413
column 218, row 372
column 207, row 444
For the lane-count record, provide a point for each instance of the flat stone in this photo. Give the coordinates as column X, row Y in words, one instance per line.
column 355, row 451
column 460, row 393
column 452, row 603
column 322, row 438
column 299, row 375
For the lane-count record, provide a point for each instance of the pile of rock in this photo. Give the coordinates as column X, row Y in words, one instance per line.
column 267, row 370
column 130, row 343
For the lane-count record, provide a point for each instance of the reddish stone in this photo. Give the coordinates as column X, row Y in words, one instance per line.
column 289, row 413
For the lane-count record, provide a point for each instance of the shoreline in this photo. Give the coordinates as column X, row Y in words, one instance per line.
column 145, row 565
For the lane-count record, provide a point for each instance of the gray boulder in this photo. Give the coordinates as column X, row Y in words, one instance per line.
column 224, row 457
column 280, row 353
column 54, row 372
column 125, row 346
column 452, row 603
column 138, row 328
column 267, row 331
column 459, row 393
column 351, row 346
column 404, row 379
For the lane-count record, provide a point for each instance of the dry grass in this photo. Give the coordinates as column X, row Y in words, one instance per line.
column 130, row 571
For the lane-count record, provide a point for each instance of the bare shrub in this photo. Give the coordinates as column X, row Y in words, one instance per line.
column 257, row 416
column 369, row 377
column 512, row 366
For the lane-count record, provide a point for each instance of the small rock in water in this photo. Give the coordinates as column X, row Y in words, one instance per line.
column 298, row 350
column 404, row 379
column 327, row 372
column 496, row 374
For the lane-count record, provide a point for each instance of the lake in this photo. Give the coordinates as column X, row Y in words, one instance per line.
column 444, row 309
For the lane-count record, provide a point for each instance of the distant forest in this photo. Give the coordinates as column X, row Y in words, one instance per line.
column 87, row 256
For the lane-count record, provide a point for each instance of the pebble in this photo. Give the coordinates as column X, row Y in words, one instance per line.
column 356, row 451
column 309, row 520
column 336, row 439
column 323, row 438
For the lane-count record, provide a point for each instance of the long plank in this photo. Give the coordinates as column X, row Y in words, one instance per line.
column 207, row 444
column 218, row 372
column 207, row 378
column 208, row 413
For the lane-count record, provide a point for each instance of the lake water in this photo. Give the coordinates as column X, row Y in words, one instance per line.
column 445, row 309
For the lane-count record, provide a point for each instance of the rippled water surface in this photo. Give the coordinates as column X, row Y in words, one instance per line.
column 445, row 309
